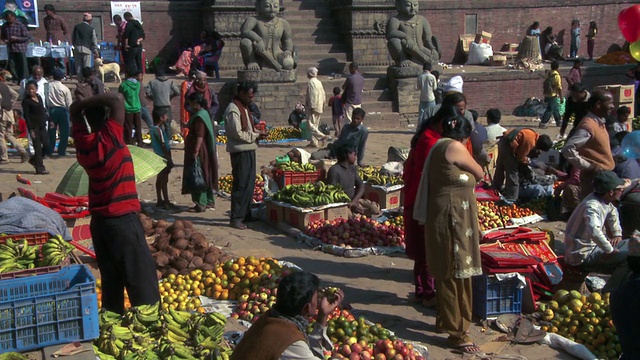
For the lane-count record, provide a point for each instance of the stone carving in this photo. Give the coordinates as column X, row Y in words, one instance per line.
column 267, row 39
column 409, row 36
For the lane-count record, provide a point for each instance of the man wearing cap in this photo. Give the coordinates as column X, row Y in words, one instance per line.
column 352, row 95
column 589, row 148
column 58, row 102
column 16, row 36
column 314, row 103
column 84, row 42
column 593, row 238
column 515, row 150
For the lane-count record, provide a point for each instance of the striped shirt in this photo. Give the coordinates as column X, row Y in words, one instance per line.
column 586, row 229
column 107, row 160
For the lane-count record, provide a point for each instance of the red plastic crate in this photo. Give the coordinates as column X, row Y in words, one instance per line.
column 284, row 178
column 32, row 238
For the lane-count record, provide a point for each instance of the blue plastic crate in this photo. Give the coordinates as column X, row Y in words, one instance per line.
column 492, row 297
column 48, row 309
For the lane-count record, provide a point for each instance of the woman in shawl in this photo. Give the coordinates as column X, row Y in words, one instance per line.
column 184, row 114
column 201, row 86
column 446, row 205
column 429, row 132
column 200, row 143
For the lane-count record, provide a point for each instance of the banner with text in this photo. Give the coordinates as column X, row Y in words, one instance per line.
column 26, row 11
column 121, row 7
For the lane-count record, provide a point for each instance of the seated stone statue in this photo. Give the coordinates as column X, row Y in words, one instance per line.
column 267, row 39
column 409, row 37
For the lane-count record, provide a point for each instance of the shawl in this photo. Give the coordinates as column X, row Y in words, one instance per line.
column 204, row 116
column 205, row 91
column 245, row 115
column 420, row 206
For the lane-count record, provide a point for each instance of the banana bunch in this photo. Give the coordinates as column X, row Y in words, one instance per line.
column 297, row 167
column 365, row 172
column 310, row 195
column 146, row 333
column 385, row 180
column 177, row 138
column 146, row 136
column 221, row 139
column 283, row 133
column 17, row 255
column 54, row 251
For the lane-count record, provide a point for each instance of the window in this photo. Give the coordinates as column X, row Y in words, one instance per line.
column 471, row 23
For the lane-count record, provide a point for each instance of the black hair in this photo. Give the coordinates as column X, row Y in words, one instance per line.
column 336, row 90
column 117, row 17
column 159, row 112
column 548, row 30
column 353, row 65
column 535, row 24
column 456, row 127
column 161, row 69
column 49, row 7
column 474, row 115
column 246, row 86
column 358, row 112
column 593, row 25
column 198, row 98
column 57, row 74
column 6, row 14
column 294, row 292
column 342, row 153
column 623, row 110
column 96, row 116
column 436, row 74
column 494, row 116
column 577, row 61
column 544, row 143
column 132, row 71
column 18, row 111
column 87, row 72
column 426, row 66
column 555, row 65
column 577, row 87
column 31, row 82
column 127, row 14
column 447, row 109
column 598, row 96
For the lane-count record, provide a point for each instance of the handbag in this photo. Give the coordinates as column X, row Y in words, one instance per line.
column 194, row 178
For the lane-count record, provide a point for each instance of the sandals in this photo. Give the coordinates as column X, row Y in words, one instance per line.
column 464, row 345
column 197, row 209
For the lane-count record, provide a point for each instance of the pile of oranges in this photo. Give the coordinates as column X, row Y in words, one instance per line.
column 127, row 302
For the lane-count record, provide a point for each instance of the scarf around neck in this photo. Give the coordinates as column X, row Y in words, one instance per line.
column 300, row 321
column 205, row 91
column 245, row 115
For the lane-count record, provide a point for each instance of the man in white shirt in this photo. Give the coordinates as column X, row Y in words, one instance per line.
column 37, row 75
column 593, row 238
column 58, row 102
column 427, row 85
column 494, row 130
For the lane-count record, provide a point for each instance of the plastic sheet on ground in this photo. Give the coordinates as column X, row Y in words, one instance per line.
column 571, row 347
column 284, row 141
column 309, row 209
column 349, row 252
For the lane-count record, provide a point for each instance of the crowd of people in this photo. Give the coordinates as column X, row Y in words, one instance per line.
column 552, row 49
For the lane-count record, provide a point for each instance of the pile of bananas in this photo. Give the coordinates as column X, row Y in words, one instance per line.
column 54, row 251
column 221, row 139
column 177, row 138
column 373, row 176
column 309, row 194
column 225, row 183
column 19, row 255
column 297, row 167
column 145, row 333
column 283, row 133
column 367, row 171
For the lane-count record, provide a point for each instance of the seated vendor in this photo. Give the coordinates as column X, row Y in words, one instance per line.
column 353, row 134
column 280, row 333
column 297, row 115
column 593, row 238
column 345, row 174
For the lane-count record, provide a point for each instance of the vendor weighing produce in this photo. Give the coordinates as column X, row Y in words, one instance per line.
column 123, row 256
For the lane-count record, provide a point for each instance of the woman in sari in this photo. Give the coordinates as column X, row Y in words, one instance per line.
column 200, row 143
column 429, row 132
column 446, row 205
column 183, row 65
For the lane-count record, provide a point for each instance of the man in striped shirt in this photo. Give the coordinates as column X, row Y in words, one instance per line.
column 593, row 238
column 123, row 256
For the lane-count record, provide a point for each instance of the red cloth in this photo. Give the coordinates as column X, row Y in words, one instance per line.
column 415, row 163
column 107, row 160
column 22, row 128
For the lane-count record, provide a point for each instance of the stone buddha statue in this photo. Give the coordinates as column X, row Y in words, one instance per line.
column 409, row 36
column 267, row 39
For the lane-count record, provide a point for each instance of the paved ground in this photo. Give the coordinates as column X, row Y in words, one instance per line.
column 378, row 287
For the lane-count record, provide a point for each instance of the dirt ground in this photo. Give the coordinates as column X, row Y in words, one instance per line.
column 378, row 287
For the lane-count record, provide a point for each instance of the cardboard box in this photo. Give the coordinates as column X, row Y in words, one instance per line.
column 465, row 40
column 623, row 95
column 275, row 212
column 498, row 60
column 386, row 200
column 301, row 220
column 483, row 37
column 337, row 212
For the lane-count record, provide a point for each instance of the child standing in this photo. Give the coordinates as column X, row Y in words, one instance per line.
column 575, row 39
column 130, row 90
column 337, row 110
column 161, row 146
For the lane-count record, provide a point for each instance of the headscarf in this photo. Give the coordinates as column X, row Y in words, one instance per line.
column 204, row 90
column 312, row 71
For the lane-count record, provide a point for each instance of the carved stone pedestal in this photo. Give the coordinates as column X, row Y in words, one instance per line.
column 268, row 76
column 403, row 84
